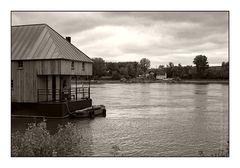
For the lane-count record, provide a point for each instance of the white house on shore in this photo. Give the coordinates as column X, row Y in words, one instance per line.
column 161, row 77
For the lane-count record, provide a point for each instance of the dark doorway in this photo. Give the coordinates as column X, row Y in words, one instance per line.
column 54, row 88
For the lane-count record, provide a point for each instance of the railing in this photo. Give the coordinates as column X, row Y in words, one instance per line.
column 73, row 94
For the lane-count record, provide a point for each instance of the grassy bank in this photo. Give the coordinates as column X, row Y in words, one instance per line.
column 218, row 153
column 163, row 81
column 37, row 141
column 204, row 81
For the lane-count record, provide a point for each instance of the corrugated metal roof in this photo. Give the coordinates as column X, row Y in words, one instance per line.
column 40, row 41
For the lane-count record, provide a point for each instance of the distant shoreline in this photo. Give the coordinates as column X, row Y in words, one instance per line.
column 194, row 81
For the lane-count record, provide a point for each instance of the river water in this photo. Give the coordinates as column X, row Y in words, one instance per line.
column 156, row 119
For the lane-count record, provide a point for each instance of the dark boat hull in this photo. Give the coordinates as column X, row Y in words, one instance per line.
column 90, row 112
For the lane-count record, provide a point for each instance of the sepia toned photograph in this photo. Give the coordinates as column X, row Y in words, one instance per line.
column 119, row 83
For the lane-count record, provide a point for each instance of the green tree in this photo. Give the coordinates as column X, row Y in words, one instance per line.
column 225, row 70
column 144, row 64
column 225, row 66
column 160, row 66
column 170, row 70
column 179, row 71
column 99, row 67
column 112, row 66
column 124, row 72
column 171, row 64
column 201, row 64
column 116, row 75
column 131, row 70
column 187, row 72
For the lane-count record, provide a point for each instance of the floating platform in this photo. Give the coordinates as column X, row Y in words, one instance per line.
column 74, row 109
column 90, row 112
column 57, row 109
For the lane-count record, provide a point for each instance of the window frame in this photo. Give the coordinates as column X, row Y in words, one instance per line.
column 72, row 65
column 20, row 65
column 83, row 66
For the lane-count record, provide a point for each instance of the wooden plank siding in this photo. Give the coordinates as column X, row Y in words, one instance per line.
column 67, row 70
column 48, row 67
column 24, row 82
column 32, row 76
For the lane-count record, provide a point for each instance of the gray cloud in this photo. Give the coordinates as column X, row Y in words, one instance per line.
column 159, row 36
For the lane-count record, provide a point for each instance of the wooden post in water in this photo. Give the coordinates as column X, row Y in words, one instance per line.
column 47, row 94
column 76, row 88
column 59, row 94
column 83, row 88
column 46, row 88
column 89, row 87
column 60, row 90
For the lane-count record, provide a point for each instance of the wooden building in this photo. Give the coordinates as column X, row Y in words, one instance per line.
column 47, row 72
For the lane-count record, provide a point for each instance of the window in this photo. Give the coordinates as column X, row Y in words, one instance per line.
column 20, row 64
column 83, row 66
column 72, row 65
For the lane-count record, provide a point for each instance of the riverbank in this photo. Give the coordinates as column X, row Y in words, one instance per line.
column 163, row 81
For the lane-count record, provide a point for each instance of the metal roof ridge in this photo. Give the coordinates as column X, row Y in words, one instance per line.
column 34, row 24
column 82, row 52
column 54, row 42
column 90, row 60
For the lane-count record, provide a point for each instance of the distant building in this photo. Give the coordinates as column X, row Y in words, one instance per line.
column 151, row 73
column 42, row 66
column 161, row 75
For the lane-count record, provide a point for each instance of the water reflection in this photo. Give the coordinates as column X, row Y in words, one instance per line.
column 200, row 98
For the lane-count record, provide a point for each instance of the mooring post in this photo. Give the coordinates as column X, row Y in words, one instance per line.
column 83, row 91
column 60, row 90
column 89, row 87
column 59, row 95
column 76, row 88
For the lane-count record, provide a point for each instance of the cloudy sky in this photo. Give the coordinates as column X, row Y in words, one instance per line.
column 162, row 37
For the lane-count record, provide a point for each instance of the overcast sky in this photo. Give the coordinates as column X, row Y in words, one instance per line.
column 162, row 37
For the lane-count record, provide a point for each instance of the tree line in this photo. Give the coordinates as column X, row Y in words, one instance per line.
column 130, row 70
